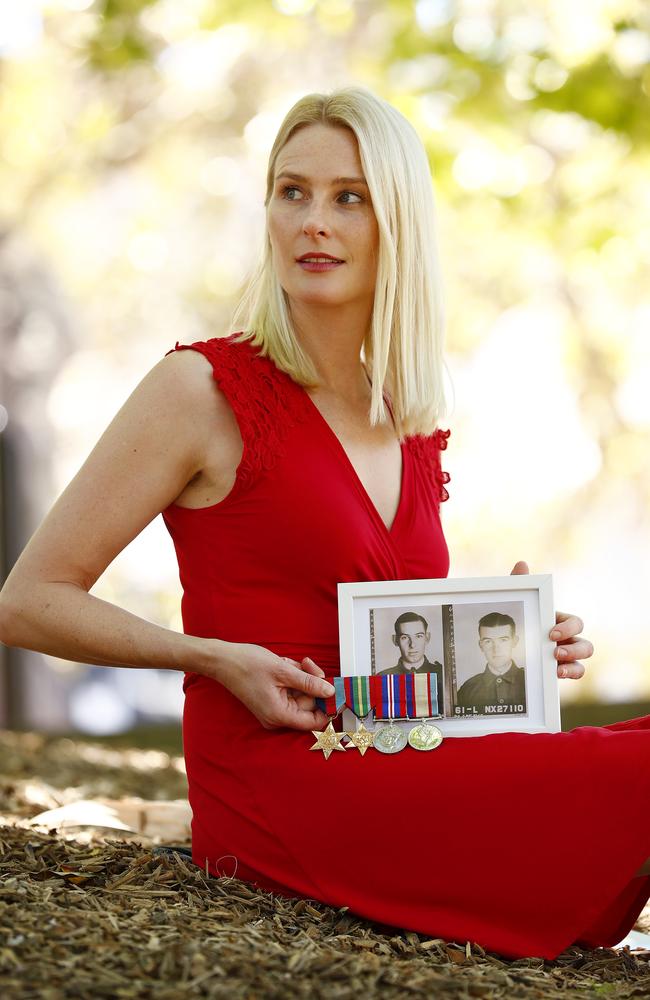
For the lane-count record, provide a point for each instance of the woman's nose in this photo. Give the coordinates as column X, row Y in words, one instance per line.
column 316, row 219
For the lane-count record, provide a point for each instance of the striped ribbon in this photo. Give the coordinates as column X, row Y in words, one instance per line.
column 393, row 696
column 358, row 695
column 410, row 696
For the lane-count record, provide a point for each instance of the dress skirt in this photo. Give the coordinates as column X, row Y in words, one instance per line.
column 524, row 843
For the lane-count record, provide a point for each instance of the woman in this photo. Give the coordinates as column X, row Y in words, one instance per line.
column 281, row 468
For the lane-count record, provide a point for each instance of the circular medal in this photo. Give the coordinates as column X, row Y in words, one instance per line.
column 425, row 737
column 389, row 739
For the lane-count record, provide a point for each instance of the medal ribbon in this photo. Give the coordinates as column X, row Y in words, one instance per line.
column 426, row 695
column 407, row 696
column 358, row 696
column 393, row 696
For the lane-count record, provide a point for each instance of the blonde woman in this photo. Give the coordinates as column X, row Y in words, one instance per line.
column 300, row 450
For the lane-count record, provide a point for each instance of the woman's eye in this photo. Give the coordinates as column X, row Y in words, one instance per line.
column 286, row 191
column 354, row 195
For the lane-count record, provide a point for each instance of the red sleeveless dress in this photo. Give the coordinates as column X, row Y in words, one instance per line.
column 524, row 843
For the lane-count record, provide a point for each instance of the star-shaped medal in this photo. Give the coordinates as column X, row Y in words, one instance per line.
column 362, row 739
column 328, row 740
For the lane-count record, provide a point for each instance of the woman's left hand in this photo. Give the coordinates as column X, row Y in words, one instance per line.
column 570, row 647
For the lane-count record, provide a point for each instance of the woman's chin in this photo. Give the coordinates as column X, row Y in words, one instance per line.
column 319, row 297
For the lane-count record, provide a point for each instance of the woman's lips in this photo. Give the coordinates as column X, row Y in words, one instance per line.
column 322, row 265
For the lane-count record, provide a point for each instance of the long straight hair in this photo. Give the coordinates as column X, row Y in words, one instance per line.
column 403, row 349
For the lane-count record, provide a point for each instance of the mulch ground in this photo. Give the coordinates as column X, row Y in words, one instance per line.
column 88, row 914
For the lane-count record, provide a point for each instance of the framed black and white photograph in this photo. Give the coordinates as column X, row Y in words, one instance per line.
column 483, row 643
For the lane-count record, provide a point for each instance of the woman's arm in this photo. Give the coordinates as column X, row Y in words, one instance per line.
column 154, row 445
column 139, row 465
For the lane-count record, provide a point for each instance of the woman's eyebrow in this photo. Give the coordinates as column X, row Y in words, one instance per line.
column 336, row 180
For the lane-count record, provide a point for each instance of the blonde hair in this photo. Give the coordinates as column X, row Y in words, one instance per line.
column 403, row 349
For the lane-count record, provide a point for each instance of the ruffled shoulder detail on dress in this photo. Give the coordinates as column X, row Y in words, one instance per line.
column 265, row 400
column 426, row 449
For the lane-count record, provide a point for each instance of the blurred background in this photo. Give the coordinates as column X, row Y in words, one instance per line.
column 134, row 137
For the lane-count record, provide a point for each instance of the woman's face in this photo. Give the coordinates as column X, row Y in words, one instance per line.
column 324, row 207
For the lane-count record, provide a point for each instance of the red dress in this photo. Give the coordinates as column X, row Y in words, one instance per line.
column 525, row 843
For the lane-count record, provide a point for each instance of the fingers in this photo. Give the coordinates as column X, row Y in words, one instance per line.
column 300, row 680
column 306, row 664
column 300, row 698
column 287, row 711
column 566, row 626
column 519, row 569
column 310, row 667
column 304, row 719
column 573, row 649
column 301, row 713
column 298, row 684
column 573, row 671
column 303, row 700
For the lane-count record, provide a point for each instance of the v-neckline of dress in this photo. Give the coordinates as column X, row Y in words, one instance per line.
column 336, row 441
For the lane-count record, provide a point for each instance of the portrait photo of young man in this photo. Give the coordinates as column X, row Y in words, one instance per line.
column 503, row 681
column 411, row 636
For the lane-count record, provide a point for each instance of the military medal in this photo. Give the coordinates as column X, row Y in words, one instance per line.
column 392, row 696
column 425, row 737
column 361, row 739
column 327, row 740
column 405, row 696
column 389, row 739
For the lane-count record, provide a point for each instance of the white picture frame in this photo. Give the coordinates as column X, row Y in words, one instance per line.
column 447, row 612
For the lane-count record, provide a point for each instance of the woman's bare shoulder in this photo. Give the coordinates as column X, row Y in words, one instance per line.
column 187, row 376
column 190, row 373
column 208, row 417
column 167, row 432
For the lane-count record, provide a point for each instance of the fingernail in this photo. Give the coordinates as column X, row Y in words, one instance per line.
column 562, row 651
column 330, row 688
column 555, row 634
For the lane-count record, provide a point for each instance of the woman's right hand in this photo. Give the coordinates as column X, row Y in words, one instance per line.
column 280, row 692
